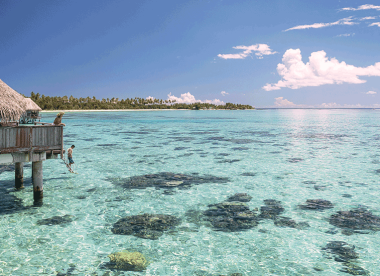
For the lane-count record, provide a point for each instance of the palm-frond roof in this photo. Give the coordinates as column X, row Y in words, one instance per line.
column 12, row 104
column 30, row 105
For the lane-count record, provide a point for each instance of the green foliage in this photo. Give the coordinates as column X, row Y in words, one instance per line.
column 72, row 103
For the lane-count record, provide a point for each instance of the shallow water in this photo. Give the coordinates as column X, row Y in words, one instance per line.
column 286, row 155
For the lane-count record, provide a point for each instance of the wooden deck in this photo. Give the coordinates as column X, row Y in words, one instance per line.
column 24, row 139
column 20, row 144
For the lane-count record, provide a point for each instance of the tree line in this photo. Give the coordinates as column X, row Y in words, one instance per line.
column 72, row 103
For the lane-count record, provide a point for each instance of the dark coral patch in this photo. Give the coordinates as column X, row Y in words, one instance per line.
column 294, row 160
column 166, row 180
column 240, row 148
column 230, row 216
column 229, row 161
column 271, row 209
column 180, row 148
column 56, row 220
column 341, row 251
column 357, row 219
column 147, row 226
column 320, row 187
column 248, row 174
column 217, row 139
column 242, row 197
column 316, row 204
column 344, row 253
column 309, row 182
column 354, row 269
column 288, row 222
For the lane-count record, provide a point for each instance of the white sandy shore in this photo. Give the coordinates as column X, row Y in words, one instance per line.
column 107, row 110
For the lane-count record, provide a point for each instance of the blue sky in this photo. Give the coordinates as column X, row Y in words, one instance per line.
column 278, row 53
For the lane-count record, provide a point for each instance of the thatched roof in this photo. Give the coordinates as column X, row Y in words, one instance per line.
column 30, row 105
column 12, row 104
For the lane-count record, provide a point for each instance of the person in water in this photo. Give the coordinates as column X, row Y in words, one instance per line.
column 70, row 157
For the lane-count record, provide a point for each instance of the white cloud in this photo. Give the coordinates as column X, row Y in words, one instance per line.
column 224, row 93
column 318, row 71
column 281, row 102
column 189, row 98
column 367, row 18
column 185, row 98
column 259, row 49
column 150, row 98
column 375, row 24
column 362, row 7
column 215, row 101
column 371, row 93
column 343, row 21
column 330, row 105
column 346, row 35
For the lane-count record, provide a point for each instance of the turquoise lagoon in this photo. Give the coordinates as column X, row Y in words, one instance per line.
column 286, row 155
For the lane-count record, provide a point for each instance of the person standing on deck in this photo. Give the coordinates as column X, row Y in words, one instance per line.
column 70, row 157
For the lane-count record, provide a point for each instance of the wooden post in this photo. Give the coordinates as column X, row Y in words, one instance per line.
column 62, row 156
column 38, row 189
column 19, row 175
column 32, row 171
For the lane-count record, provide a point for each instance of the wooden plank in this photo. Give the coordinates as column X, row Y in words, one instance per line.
column 45, row 148
column 27, row 139
column 11, row 150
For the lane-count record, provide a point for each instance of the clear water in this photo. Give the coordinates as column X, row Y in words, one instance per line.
column 337, row 149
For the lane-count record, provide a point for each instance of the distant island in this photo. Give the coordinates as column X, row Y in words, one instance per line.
column 71, row 103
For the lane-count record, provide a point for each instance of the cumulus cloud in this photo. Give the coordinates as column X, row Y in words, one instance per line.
column 149, row 98
column 375, row 24
column 280, row 102
column 318, row 71
column 188, row 98
column 185, row 98
column 343, row 21
column 224, row 93
column 259, row 49
column 371, row 93
column 215, row 101
column 362, row 7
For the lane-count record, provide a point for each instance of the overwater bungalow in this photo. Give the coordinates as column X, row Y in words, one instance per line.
column 19, row 144
column 32, row 112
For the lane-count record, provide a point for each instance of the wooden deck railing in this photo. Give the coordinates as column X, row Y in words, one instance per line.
column 31, row 138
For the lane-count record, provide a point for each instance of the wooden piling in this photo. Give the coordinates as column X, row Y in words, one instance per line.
column 32, row 171
column 37, row 175
column 19, row 175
